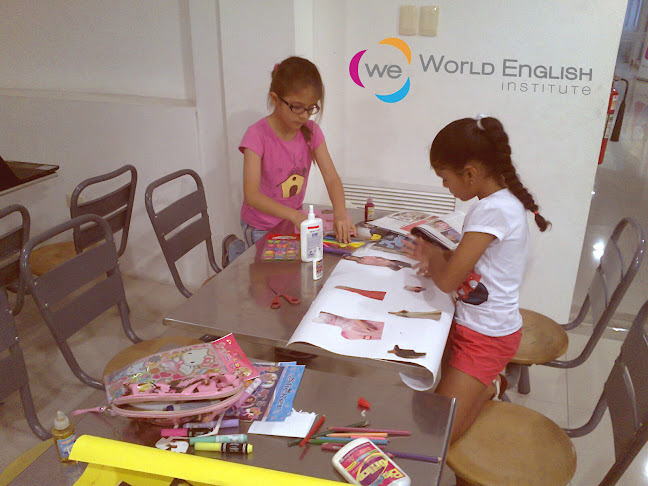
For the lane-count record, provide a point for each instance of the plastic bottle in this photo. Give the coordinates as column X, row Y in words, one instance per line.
column 312, row 237
column 364, row 464
column 64, row 436
column 369, row 210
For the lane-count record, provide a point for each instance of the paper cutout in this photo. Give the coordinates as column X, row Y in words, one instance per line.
column 353, row 328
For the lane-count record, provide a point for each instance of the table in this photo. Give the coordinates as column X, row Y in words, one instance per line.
column 427, row 415
column 238, row 301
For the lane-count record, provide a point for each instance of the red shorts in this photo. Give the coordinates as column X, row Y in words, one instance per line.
column 482, row 357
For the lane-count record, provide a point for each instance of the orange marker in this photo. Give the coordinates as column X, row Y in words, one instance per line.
column 314, row 429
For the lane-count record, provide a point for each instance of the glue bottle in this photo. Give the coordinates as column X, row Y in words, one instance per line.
column 369, row 210
column 64, row 436
column 312, row 237
column 361, row 462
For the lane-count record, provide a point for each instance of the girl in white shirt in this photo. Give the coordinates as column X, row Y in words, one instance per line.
column 473, row 158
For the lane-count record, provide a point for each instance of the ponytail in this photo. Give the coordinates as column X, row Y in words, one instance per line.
column 485, row 140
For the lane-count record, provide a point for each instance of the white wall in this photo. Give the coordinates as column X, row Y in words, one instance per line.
column 173, row 84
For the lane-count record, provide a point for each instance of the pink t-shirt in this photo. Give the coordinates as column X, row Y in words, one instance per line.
column 285, row 166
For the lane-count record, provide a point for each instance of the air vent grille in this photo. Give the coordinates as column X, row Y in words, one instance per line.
column 400, row 198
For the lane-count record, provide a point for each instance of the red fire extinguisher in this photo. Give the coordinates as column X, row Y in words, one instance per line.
column 614, row 94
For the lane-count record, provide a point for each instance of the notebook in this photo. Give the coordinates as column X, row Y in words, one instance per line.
column 14, row 173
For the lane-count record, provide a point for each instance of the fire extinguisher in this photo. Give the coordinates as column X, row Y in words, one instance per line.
column 614, row 94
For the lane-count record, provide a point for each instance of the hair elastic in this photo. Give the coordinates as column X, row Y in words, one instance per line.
column 478, row 119
column 535, row 212
column 275, row 68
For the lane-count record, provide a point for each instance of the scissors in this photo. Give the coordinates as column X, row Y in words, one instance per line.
column 276, row 303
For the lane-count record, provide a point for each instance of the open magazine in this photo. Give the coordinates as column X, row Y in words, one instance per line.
column 444, row 230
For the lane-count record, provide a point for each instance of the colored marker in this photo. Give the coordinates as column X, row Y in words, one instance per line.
column 225, row 424
column 357, row 434
column 184, row 432
column 232, row 439
column 317, row 425
column 224, row 447
column 416, row 457
column 340, row 440
column 355, row 429
column 294, row 442
column 248, row 391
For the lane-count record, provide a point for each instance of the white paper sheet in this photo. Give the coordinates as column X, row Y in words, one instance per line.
column 421, row 335
column 298, row 424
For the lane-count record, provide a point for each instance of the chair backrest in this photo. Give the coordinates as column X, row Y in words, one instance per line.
column 13, row 372
column 625, row 395
column 73, row 294
column 116, row 208
column 11, row 243
column 175, row 239
column 617, row 268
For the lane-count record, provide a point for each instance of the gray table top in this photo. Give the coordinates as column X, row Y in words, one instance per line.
column 427, row 415
column 238, row 301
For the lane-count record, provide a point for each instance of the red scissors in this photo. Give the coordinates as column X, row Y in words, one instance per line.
column 276, row 303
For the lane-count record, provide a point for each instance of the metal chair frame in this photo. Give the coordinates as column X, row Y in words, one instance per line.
column 167, row 221
column 13, row 372
column 115, row 207
column 66, row 310
column 609, row 284
column 11, row 244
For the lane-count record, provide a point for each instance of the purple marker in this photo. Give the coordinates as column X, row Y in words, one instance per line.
column 225, row 424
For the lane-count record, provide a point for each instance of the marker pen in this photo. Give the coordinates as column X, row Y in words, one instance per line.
column 225, row 424
column 224, row 447
column 184, row 432
column 248, row 391
column 232, row 439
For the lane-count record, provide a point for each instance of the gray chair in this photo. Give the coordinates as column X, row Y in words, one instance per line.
column 511, row 444
column 116, row 207
column 174, row 238
column 11, row 243
column 544, row 340
column 73, row 294
column 13, row 372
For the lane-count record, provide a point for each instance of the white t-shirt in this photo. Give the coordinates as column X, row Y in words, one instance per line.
column 491, row 303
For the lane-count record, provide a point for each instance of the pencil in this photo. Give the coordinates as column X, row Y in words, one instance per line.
column 317, row 425
column 365, row 430
column 356, row 426
column 358, row 434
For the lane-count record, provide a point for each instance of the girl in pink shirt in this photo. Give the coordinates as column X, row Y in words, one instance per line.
column 278, row 151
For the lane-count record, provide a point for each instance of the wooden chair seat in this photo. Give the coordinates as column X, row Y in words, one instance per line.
column 543, row 339
column 146, row 348
column 511, row 445
column 47, row 257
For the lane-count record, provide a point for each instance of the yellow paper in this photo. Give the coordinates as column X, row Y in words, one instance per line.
column 158, row 464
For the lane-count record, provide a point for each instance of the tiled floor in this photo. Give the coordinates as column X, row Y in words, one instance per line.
column 567, row 397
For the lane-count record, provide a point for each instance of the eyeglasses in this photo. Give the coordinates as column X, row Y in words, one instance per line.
column 313, row 110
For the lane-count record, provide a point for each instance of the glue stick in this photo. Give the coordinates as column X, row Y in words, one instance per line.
column 361, row 462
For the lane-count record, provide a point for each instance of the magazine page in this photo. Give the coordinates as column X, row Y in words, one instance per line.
column 444, row 229
column 351, row 314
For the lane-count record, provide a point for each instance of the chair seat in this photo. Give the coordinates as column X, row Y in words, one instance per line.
column 543, row 339
column 511, row 445
column 45, row 258
column 146, row 348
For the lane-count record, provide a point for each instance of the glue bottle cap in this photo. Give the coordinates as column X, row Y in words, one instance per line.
column 369, row 200
column 311, row 212
column 61, row 421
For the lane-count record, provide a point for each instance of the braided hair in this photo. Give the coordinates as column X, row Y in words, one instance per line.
column 294, row 74
column 484, row 140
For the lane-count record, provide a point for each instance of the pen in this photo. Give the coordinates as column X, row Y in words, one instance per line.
column 312, row 431
column 354, row 429
column 356, row 426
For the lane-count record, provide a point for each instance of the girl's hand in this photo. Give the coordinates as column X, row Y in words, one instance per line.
column 421, row 251
column 344, row 229
column 297, row 219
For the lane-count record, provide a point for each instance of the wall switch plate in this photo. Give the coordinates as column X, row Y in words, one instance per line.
column 429, row 21
column 408, row 20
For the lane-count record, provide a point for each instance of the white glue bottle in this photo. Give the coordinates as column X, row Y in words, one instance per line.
column 361, row 462
column 312, row 237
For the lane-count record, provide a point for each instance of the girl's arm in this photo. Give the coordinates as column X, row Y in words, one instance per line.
column 449, row 273
column 341, row 223
column 256, row 199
